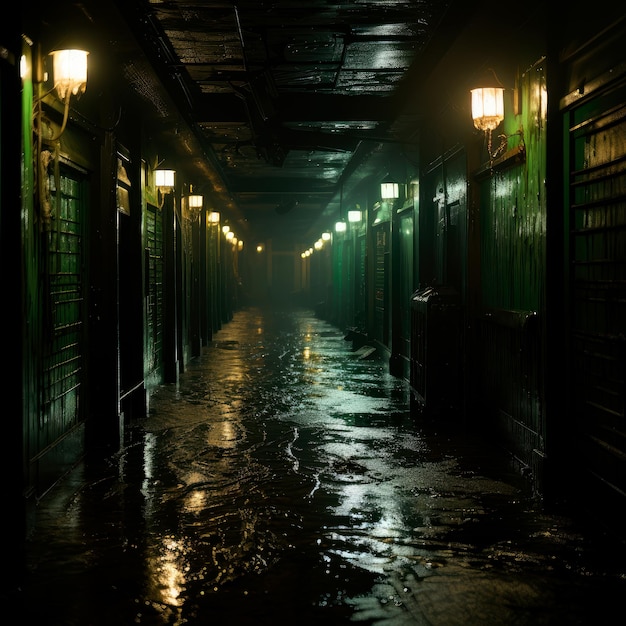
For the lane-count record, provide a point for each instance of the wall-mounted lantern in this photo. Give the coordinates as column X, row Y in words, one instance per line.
column 354, row 216
column 389, row 190
column 488, row 103
column 164, row 182
column 70, row 79
column 70, row 72
column 195, row 202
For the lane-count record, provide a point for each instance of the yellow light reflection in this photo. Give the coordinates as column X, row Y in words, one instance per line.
column 196, row 501
column 168, row 572
column 223, row 435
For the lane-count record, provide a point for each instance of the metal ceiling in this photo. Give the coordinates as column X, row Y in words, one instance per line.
column 287, row 99
column 286, row 96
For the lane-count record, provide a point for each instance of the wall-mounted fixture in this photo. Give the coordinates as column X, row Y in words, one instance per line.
column 389, row 190
column 488, row 103
column 194, row 203
column 164, row 181
column 69, row 79
column 354, row 215
column 69, row 69
column 487, row 100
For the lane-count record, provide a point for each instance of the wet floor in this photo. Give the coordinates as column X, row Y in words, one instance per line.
column 283, row 480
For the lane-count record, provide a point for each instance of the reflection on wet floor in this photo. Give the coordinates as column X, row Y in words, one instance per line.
column 284, row 480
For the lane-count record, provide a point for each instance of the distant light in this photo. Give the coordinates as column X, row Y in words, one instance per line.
column 164, row 179
column 389, row 191
column 340, row 227
column 195, row 202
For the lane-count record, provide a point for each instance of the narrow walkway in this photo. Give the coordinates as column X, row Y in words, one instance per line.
column 284, row 481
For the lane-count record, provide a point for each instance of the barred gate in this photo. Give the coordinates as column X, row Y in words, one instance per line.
column 597, row 261
column 59, row 440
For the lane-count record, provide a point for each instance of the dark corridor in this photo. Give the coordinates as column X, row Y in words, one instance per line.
column 284, row 480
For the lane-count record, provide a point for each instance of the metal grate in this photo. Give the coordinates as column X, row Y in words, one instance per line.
column 64, row 311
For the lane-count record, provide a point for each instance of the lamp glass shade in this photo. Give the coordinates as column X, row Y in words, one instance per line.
column 354, row 216
column 340, row 227
column 214, row 217
column 389, row 191
column 70, row 71
column 164, row 179
column 195, row 202
column 487, row 107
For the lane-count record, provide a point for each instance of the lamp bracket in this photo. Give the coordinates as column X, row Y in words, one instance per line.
column 510, row 158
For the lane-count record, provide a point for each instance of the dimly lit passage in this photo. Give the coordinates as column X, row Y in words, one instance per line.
column 284, row 481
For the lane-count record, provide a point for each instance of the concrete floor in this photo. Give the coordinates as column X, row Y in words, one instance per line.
column 284, row 480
